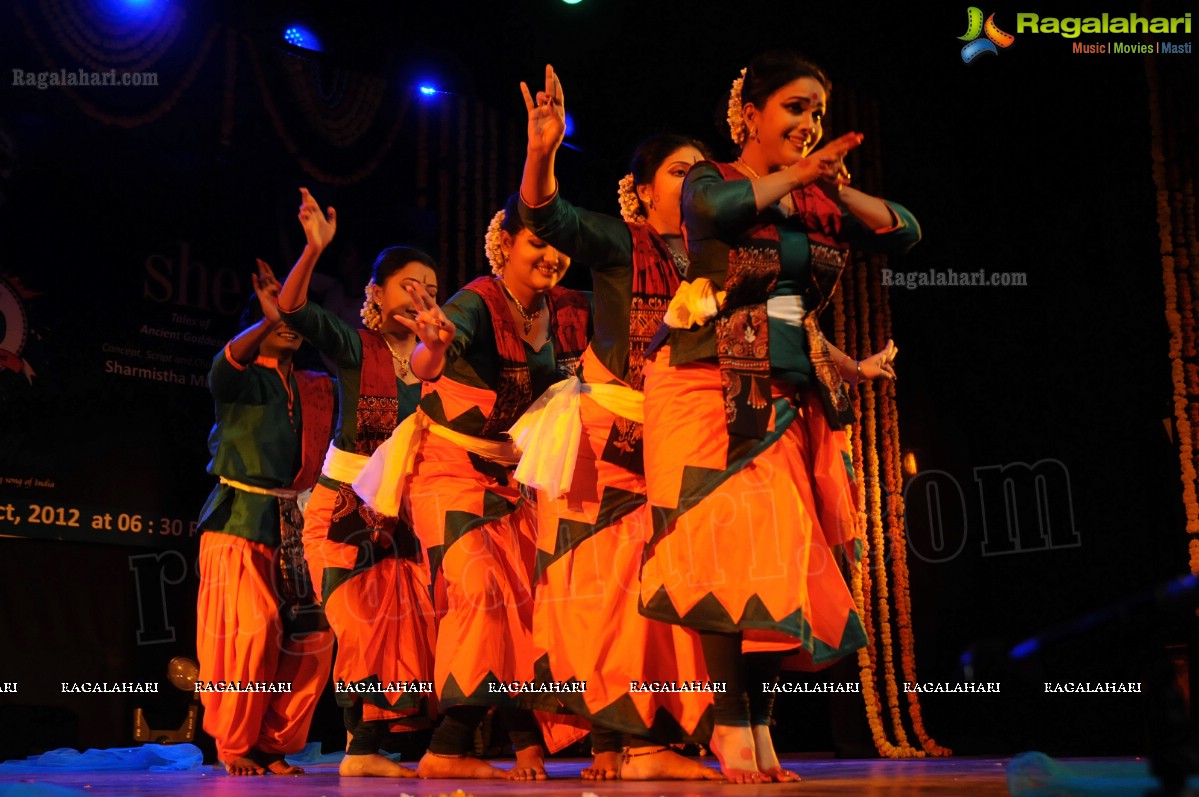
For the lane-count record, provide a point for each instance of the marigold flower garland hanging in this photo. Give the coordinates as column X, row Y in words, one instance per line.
column 897, row 539
column 862, row 583
column 875, row 519
column 1175, row 271
column 862, row 323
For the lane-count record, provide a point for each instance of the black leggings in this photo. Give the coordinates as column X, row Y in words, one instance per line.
column 610, row 740
column 605, row 740
column 367, row 737
column 745, row 703
column 456, row 733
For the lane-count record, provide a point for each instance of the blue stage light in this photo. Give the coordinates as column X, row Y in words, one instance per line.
column 570, row 125
column 428, row 90
column 131, row 10
column 299, row 36
column 1026, row 648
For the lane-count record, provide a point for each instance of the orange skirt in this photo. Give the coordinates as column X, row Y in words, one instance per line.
column 376, row 598
column 478, row 535
column 586, row 625
column 239, row 637
column 744, row 530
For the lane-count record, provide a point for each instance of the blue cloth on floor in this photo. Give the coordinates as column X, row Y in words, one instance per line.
column 148, row 758
column 1038, row 775
column 311, row 754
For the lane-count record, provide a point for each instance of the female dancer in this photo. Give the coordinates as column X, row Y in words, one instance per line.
column 591, row 536
column 744, row 464
column 499, row 342
column 270, row 418
column 368, row 569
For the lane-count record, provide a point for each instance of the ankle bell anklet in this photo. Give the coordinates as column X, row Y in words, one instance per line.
column 629, row 755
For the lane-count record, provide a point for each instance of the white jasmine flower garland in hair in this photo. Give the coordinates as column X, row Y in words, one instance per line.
column 630, row 205
column 371, row 317
column 735, row 117
column 491, row 244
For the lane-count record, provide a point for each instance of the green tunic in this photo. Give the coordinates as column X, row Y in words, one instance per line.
column 718, row 213
column 256, row 440
column 605, row 244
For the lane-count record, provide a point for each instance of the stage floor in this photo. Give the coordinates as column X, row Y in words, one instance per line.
column 953, row 777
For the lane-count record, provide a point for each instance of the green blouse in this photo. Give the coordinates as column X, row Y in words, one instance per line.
column 471, row 359
column 342, row 344
column 605, row 245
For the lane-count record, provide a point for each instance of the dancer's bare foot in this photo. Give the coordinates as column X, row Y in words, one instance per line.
column 243, row 765
column 372, row 765
column 433, row 765
column 767, row 758
column 657, row 763
column 733, row 747
column 605, row 767
column 275, row 763
column 530, row 764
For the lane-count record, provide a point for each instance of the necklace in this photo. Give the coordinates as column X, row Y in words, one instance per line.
column 786, row 203
column 745, row 167
column 525, row 314
column 681, row 260
column 403, row 361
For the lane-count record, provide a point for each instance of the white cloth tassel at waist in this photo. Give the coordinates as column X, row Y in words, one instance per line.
column 549, row 432
column 693, row 304
column 342, row 466
column 380, row 484
column 788, row 309
column 384, row 478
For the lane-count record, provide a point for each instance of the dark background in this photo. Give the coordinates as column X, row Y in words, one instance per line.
column 1036, row 160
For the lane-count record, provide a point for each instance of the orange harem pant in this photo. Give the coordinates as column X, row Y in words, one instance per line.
column 239, row 637
column 382, row 613
column 481, row 534
column 483, row 596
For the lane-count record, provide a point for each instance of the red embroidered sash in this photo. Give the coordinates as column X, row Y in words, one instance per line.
column 315, row 390
column 378, row 406
column 568, row 311
column 655, row 280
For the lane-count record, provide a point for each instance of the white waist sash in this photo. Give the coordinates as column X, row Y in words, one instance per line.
column 549, row 432
column 788, row 309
